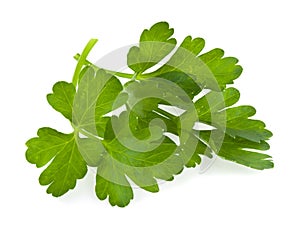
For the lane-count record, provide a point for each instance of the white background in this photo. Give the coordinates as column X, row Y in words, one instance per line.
column 38, row 40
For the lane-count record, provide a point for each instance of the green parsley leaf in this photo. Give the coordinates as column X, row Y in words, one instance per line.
column 118, row 194
column 62, row 98
column 237, row 118
column 241, row 133
column 155, row 44
column 210, row 69
column 67, row 165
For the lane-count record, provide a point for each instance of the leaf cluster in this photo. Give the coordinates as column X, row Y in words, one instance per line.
column 135, row 146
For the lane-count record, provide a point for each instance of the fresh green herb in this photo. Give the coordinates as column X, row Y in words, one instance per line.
column 147, row 141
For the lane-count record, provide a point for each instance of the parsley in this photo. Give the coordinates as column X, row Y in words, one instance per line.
column 139, row 144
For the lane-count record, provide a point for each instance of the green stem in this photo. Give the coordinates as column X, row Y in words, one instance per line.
column 82, row 60
column 88, row 63
column 120, row 74
column 89, row 135
column 85, row 133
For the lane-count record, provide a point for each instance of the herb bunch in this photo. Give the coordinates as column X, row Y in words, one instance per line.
column 146, row 142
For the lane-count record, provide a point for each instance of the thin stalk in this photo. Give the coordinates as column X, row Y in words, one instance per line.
column 120, row 74
column 82, row 60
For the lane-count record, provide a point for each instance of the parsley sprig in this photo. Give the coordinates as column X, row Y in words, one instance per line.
column 135, row 145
